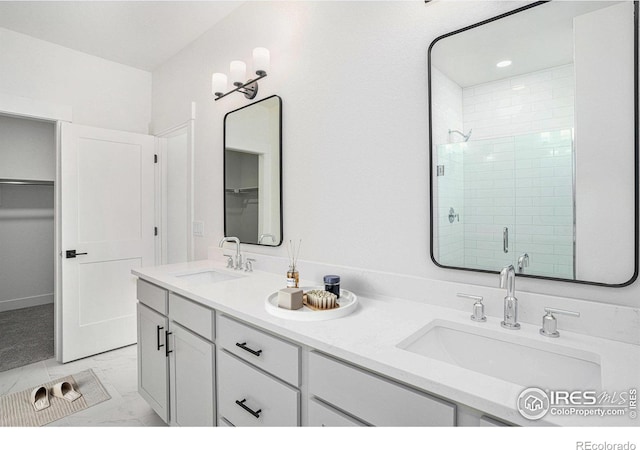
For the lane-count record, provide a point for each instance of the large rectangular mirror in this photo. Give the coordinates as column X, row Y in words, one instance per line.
column 253, row 173
column 534, row 143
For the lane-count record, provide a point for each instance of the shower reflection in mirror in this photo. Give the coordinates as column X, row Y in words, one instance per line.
column 552, row 113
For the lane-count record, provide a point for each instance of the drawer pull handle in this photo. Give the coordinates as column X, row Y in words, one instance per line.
column 158, row 328
column 241, row 404
column 166, row 343
column 243, row 346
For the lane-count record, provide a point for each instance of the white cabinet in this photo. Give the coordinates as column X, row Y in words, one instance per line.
column 250, row 397
column 265, row 351
column 192, row 379
column 176, row 365
column 153, row 365
column 197, row 367
column 191, row 315
column 254, row 368
column 373, row 399
column 153, row 296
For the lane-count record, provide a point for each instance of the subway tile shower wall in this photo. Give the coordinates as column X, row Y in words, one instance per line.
column 516, row 171
column 533, row 102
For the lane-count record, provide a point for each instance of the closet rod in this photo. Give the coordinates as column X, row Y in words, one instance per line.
column 25, row 182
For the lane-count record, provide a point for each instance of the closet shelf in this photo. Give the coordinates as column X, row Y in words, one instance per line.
column 21, row 182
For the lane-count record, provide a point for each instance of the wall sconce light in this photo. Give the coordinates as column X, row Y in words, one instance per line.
column 238, row 73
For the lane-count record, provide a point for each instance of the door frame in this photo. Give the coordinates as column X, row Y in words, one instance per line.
column 26, row 108
column 187, row 126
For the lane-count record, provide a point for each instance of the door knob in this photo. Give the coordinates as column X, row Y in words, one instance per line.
column 73, row 254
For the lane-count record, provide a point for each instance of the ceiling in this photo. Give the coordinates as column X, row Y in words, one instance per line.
column 141, row 34
column 537, row 39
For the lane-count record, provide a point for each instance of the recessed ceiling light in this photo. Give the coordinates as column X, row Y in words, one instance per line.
column 518, row 87
column 504, row 63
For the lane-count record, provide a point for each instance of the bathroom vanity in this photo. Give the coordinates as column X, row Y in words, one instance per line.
column 209, row 353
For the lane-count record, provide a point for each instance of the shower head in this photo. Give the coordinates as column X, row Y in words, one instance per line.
column 465, row 136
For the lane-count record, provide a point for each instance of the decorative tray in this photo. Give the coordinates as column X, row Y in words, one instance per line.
column 347, row 302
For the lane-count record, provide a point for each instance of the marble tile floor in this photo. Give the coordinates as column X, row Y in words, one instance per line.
column 118, row 372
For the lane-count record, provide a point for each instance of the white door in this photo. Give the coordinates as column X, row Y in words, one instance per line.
column 106, row 217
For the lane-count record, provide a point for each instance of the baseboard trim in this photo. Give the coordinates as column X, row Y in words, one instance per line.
column 26, row 302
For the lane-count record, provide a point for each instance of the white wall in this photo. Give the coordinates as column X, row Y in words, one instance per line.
column 101, row 93
column 27, row 149
column 176, row 205
column 352, row 76
column 604, row 67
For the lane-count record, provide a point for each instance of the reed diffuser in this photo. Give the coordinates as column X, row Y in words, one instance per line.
column 292, row 275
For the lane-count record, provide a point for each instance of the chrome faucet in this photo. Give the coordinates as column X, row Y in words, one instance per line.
column 237, row 262
column 523, row 261
column 508, row 280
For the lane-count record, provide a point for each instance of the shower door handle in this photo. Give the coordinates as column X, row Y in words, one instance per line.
column 505, row 240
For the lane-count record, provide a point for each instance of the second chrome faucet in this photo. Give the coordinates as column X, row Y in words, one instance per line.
column 508, row 281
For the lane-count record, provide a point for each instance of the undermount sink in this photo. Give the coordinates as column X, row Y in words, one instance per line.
column 206, row 276
column 520, row 360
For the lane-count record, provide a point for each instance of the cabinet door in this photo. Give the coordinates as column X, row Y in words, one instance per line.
column 153, row 367
column 192, row 379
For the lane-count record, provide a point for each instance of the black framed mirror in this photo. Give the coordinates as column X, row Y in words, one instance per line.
column 253, row 173
column 533, row 130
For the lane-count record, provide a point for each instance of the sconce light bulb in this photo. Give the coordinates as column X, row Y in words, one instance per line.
column 261, row 60
column 238, row 72
column 218, row 84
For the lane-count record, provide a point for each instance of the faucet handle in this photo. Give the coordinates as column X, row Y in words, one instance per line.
column 550, row 323
column 248, row 264
column 229, row 261
column 478, row 307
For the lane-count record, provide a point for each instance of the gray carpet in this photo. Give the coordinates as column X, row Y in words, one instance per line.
column 26, row 336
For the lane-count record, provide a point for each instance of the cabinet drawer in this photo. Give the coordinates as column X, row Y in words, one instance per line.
column 153, row 296
column 191, row 315
column 321, row 415
column 373, row 399
column 270, row 353
column 243, row 389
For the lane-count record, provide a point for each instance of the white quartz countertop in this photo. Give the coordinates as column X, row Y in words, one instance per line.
column 369, row 337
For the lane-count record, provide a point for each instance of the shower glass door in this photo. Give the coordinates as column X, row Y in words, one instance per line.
column 507, row 200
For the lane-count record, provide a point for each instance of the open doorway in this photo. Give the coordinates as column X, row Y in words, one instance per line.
column 27, row 240
column 174, row 189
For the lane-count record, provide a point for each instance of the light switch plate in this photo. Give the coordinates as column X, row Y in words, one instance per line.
column 198, row 228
